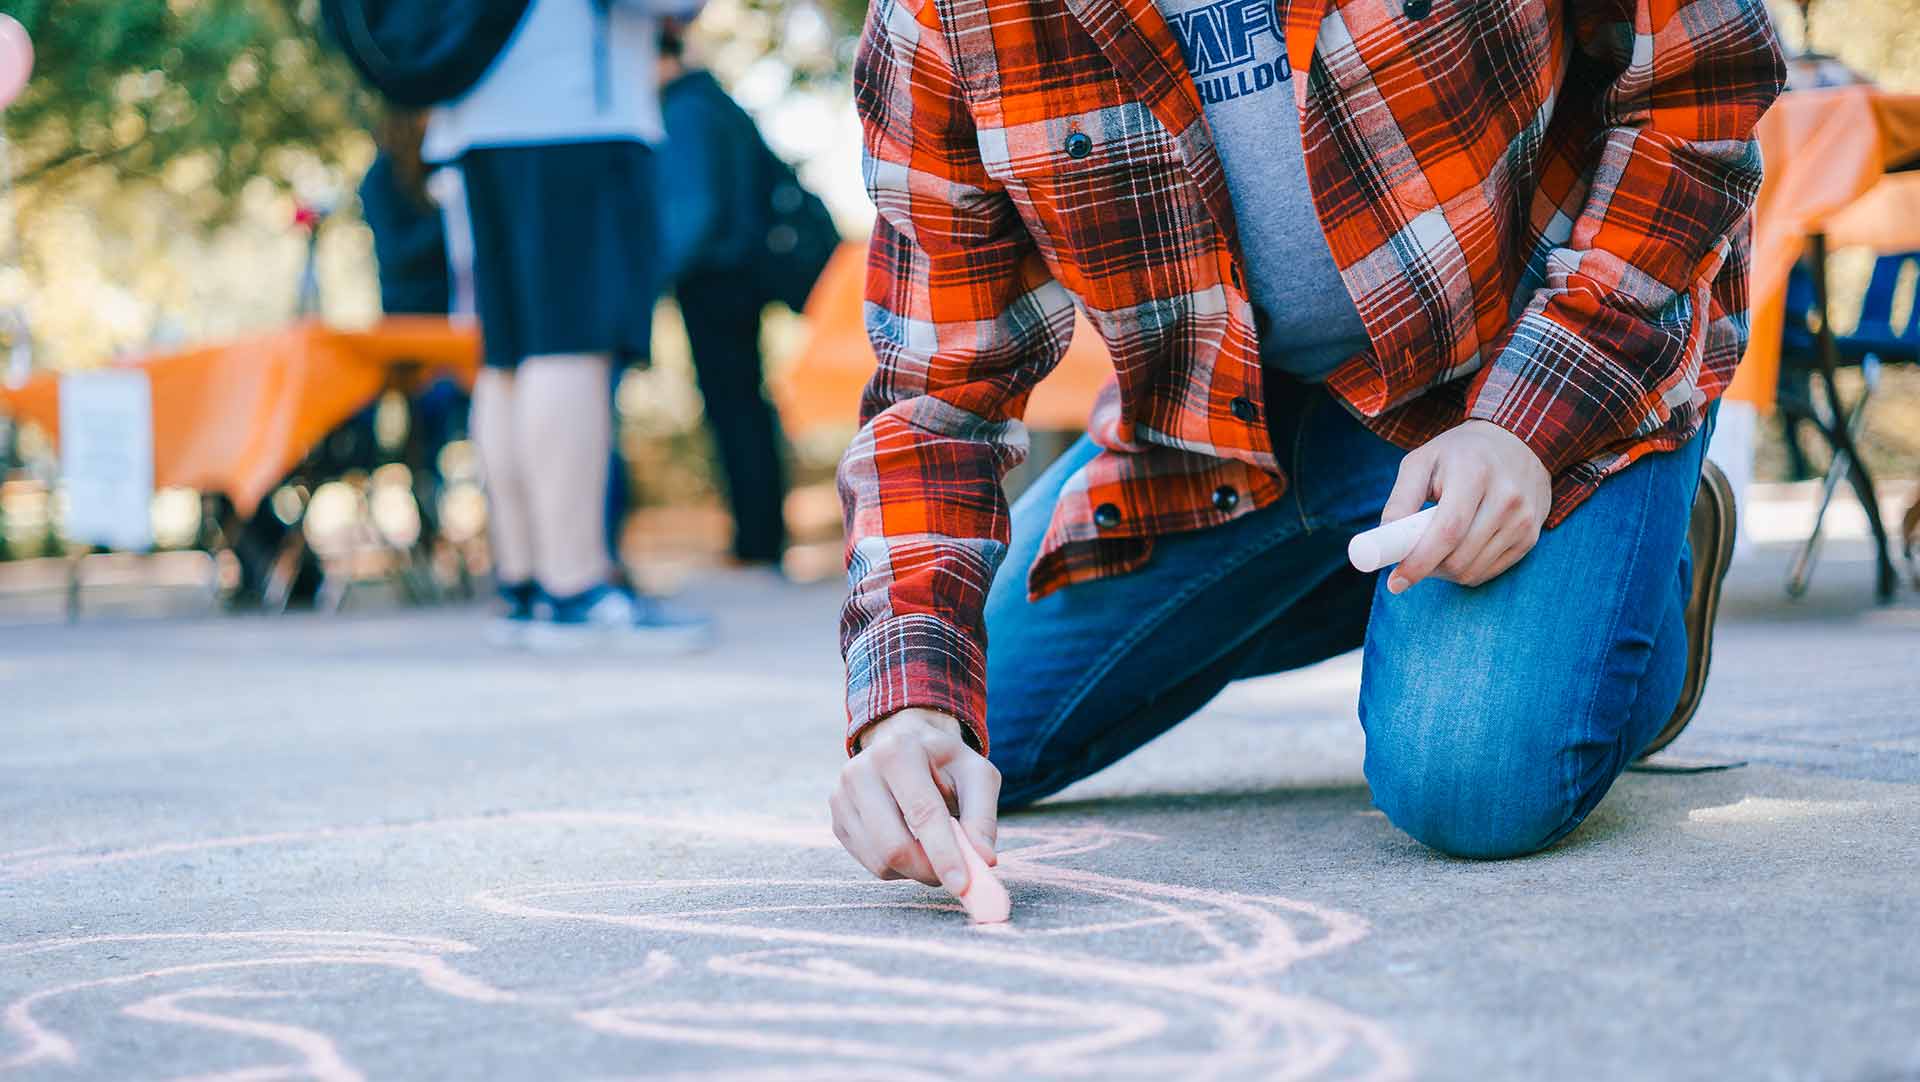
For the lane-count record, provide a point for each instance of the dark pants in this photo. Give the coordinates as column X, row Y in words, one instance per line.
column 723, row 327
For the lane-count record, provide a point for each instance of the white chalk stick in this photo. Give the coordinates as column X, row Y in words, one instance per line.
column 1389, row 544
column 985, row 897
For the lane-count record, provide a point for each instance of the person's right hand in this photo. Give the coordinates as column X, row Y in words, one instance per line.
column 890, row 809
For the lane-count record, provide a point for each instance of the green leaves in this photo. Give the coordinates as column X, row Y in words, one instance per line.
column 130, row 87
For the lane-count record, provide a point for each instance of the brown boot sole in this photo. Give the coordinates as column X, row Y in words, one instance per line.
column 1710, row 534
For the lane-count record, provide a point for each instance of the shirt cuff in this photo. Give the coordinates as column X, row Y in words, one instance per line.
column 1565, row 399
column 916, row 660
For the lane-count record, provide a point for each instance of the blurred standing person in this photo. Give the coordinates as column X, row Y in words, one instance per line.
column 409, row 239
column 715, row 198
column 421, row 273
column 554, row 147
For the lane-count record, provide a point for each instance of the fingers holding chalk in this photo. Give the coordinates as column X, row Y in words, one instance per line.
column 985, row 897
column 1388, row 544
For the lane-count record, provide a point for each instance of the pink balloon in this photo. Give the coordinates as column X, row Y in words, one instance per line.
column 16, row 59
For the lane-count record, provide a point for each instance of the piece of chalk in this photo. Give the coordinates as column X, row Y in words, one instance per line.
column 985, row 897
column 1388, row 544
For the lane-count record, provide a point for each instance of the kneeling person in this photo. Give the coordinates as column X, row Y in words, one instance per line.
column 1348, row 258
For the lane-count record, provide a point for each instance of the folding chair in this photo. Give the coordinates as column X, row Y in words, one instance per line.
column 1810, row 353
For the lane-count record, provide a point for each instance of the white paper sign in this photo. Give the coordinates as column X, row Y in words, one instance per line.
column 106, row 458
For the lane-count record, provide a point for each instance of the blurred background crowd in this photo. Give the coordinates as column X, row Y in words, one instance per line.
column 653, row 211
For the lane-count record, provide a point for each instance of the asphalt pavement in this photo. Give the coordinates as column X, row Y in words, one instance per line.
column 369, row 846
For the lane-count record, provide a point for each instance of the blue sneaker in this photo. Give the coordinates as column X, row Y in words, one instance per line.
column 615, row 618
column 509, row 629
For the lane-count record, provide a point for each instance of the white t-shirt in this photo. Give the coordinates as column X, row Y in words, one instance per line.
column 549, row 85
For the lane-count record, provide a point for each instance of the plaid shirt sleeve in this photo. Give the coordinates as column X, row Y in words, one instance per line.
column 965, row 320
column 1610, row 346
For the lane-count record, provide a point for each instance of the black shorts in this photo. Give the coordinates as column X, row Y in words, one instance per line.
column 565, row 249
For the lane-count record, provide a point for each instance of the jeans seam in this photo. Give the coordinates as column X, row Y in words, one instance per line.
column 1299, row 448
column 1570, row 787
column 1238, row 558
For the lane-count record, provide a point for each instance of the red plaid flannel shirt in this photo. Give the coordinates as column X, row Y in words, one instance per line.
column 1539, row 209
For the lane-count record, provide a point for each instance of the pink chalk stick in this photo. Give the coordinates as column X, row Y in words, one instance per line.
column 1389, row 544
column 985, row 897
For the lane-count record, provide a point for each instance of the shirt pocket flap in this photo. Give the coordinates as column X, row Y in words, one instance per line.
column 1121, row 136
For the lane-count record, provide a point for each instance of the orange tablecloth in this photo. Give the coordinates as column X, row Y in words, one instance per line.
column 822, row 387
column 1824, row 150
column 234, row 417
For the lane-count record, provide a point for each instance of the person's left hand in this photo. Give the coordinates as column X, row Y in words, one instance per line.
column 1493, row 494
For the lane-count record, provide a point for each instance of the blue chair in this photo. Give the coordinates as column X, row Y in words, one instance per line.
column 1875, row 341
column 1875, row 334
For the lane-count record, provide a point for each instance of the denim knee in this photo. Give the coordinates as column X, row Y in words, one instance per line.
column 1466, row 780
column 1467, row 805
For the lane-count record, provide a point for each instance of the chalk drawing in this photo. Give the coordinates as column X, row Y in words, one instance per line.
column 319, row 1058
column 775, row 979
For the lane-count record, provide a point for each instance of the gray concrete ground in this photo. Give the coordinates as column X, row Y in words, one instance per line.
column 367, row 846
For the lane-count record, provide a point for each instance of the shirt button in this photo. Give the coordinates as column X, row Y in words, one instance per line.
column 1225, row 498
column 1417, row 9
column 1106, row 516
column 1244, row 410
column 1080, row 144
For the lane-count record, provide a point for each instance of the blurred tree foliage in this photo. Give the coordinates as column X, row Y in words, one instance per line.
column 847, row 15
column 1878, row 38
column 132, row 86
column 129, row 88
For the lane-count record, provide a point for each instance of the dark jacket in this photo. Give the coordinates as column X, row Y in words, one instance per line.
column 715, row 178
column 409, row 243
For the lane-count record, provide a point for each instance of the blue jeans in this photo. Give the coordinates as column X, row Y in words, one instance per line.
column 1496, row 717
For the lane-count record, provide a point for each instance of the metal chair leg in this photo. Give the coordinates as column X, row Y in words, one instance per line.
column 74, row 586
column 1910, row 539
column 332, row 596
column 276, row 593
column 1838, row 434
column 1838, row 472
column 1886, row 579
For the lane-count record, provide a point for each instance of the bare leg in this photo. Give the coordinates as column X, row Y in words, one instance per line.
column 508, row 513
column 564, row 431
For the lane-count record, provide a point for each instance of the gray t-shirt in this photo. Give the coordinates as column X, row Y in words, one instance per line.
column 1237, row 54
